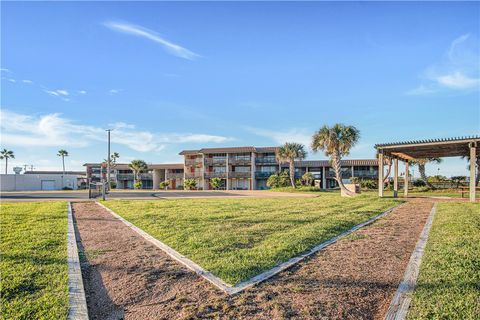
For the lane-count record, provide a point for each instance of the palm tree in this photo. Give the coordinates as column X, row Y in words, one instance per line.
column 290, row 152
column 336, row 141
column 6, row 154
column 421, row 168
column 477, row 177
column 63, row 153
column 137, row 167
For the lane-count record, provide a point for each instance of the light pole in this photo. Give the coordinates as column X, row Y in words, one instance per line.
column 108, row 159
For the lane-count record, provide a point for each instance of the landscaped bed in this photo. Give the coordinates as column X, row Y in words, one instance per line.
column 448, row 284
column 237, row 239
column 34, row 269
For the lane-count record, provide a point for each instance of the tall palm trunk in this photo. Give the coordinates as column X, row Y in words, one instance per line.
column 292, row 173
column 338, row 174
column 423, row 176
column 387, row 175
column 6, row 165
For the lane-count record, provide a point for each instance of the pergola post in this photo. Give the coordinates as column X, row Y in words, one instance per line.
column 395, row 178
column 473, row 161
column 405, row 184
column 380, row 174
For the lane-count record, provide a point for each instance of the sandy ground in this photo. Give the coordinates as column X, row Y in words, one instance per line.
column 127, row 277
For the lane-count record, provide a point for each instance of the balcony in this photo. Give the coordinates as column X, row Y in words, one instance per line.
column 216, row 161
column 174, row 175
column 266, row 160
column 239, row 174
column 125, row 176
column 193, row 162
column 210, row 175
column 263, row 175
column 193, row 175
column 240, row 161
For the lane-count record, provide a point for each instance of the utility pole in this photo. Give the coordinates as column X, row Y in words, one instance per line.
column 108, row 160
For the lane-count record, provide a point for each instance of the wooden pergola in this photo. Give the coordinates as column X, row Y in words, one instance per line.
column 436, row 148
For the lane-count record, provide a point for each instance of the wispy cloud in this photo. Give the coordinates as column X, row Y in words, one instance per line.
column 61, row 93
column 82, row 92
column 4, row 70
column 55, row 131
column 27, row 81
column 459, row 69
column 140, row 31
column 299, row 135
column 12, row 80
column 113, row 91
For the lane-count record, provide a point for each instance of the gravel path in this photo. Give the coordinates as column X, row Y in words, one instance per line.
column 127, row 277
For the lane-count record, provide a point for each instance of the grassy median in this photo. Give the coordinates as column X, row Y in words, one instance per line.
column 239, row 238
column 449, row 281
column 33, row 265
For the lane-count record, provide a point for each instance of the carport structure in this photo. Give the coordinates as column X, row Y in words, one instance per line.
column 422, row 149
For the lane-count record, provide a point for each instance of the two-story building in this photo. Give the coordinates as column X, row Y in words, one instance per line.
column 248, row 168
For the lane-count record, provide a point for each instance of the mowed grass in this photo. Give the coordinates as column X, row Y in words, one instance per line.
column 33, row 265
column 237, row 239
column 449, row 282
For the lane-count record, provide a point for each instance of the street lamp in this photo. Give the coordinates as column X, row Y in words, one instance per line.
column 108, row 159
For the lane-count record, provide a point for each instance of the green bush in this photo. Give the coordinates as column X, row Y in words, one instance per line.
column 216, row 183
column 419, row 183
column 164, row 184
column 138, row 185
column 190, row 184
column 278, row 180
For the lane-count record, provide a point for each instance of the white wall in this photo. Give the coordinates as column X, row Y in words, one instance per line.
column 32, row 182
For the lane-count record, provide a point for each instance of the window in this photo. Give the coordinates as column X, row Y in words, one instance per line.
column 219, row 169
column 241, row 169
column 242, row 156
column 268, row 169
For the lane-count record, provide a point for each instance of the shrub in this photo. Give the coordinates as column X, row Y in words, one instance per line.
column 164, row 184
column 307, row 178
column 216, row 183
column 277, row 180
column 368, row 184
column 419, row 183
column 190, row 184
column 138, row 185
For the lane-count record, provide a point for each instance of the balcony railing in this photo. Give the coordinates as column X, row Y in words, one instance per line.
column 190, row 175
column 212, row 161
column 174, row 175
column 125, row 176
column 239, row 161
column 238, row 174
column 261, row 175
column 266, row 161
column 210, row 175
column 193, row 162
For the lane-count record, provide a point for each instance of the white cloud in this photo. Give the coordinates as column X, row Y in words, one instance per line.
column 113, row 91
column 458, row 80
column 27, row 81
column 459, row 69
column 55, row 130
column 140, row 31
column 12, row 80
column 58, row 93
column 4, row 70
column 82, row 92
column 302, row 136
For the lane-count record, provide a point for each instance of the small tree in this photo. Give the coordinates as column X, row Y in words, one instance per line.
column 307, row 178
column 273, row 181
column 336, row 142
column 164, row 184
column 216, row 183
column 190, row 184
column 138, row 166
column 284, row 178
column 290, row 152
column 458, row 180
column 6, row 154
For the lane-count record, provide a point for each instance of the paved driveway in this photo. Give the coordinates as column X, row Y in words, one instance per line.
column 140, row 194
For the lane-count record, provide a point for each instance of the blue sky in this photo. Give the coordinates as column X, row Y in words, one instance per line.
column 180, row 75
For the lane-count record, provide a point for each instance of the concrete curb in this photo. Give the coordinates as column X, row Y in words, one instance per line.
column 227, row 288
column 77, row 309
column 398, row 308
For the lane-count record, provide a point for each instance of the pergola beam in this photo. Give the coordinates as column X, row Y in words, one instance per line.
column 473, row 162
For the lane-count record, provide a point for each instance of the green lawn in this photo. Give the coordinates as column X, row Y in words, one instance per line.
column 33, row 265
column 239, row 238
column 449, row 280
